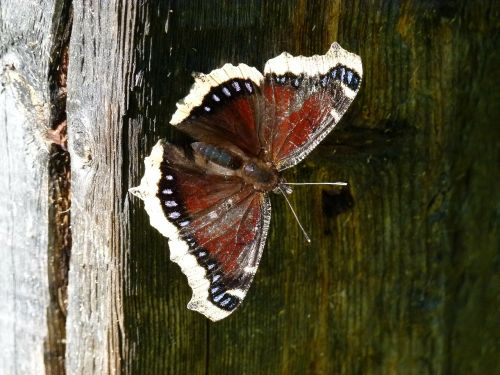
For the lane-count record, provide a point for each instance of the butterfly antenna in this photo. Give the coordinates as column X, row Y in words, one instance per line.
column 315, row 183
column 294, row 214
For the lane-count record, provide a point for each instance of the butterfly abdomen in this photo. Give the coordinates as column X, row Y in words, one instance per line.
column 234, row 163
column 217, row 155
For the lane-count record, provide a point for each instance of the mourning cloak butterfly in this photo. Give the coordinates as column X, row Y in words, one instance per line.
column 212, row 201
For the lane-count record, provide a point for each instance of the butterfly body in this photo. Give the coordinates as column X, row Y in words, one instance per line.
column 213, row 203
column 263, row 176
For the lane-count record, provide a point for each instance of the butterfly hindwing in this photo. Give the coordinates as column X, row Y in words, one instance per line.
column 224, row 107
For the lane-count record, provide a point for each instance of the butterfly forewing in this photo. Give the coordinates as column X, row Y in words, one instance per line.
column 305, row 99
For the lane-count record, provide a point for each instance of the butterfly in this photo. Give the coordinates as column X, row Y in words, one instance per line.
column 211, row 200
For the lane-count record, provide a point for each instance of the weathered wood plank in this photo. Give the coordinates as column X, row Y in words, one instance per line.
column 96, row 86
column 25, row 42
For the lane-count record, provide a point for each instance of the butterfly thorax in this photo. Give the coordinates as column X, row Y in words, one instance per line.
column 231, row 161
column 263, row 176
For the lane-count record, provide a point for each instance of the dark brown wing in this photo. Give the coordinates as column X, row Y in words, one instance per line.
column 217, row 227
column 224, row 107
column 305, row 99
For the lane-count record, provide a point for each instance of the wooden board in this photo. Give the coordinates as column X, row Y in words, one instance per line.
column 24, row 155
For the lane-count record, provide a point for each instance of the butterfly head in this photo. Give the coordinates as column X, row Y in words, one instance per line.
column 283, row 187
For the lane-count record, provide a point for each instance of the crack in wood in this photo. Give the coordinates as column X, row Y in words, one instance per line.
column 59, row 249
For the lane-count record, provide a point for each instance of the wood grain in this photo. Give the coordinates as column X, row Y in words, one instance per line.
column 24, row 182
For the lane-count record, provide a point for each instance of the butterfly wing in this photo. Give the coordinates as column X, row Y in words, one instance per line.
column 224, row 107
column 305, row 99
column 216, row 226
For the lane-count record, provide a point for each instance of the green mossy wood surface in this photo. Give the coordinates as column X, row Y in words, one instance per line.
column 402, row 273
